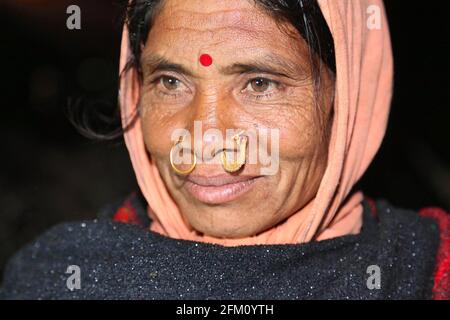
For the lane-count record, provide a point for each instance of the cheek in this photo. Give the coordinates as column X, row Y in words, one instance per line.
column 157, row 127
column 293, row 115
column 299, row 134
column 295, row 118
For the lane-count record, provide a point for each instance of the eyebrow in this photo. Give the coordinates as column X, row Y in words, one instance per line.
column 154, row 62
column 270, row 64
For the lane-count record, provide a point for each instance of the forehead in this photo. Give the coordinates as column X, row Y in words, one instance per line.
column 188, row 27
column 211, row 14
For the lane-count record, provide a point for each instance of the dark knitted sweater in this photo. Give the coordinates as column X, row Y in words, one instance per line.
column 126, row 261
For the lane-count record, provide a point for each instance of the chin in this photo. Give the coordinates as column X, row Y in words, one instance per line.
column 227, row 222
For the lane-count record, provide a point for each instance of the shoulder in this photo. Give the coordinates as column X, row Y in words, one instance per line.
column 422, row 235
column 41, row 269
column 441, row 288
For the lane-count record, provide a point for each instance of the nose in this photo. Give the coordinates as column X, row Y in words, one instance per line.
column 211, row 116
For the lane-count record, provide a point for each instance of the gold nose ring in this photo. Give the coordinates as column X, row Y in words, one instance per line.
column 174, row 167
column 233, row 166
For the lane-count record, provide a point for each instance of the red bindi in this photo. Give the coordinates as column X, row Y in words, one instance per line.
column 206, row 60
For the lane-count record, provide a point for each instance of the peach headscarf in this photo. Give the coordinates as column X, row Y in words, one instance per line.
column 364, row 72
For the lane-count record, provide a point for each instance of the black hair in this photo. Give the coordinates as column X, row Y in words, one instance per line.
column 304, row 15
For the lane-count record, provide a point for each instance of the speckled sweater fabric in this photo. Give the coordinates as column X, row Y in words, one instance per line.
column 126, row 261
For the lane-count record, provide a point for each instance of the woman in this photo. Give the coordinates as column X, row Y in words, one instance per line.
column 207, row 89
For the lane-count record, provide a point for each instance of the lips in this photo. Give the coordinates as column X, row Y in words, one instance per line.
column 219, row 189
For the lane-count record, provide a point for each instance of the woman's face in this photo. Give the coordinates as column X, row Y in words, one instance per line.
column 260, row 78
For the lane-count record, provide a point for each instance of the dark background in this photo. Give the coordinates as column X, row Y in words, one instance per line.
column 51, row 174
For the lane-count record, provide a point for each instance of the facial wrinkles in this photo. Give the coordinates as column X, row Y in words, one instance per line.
column 210, row 90
column 210, row 96
column 213, row 28
column 241, row 18
column 210, row 31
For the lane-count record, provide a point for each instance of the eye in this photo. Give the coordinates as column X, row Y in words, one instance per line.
column 170, row 83
column 260, row 85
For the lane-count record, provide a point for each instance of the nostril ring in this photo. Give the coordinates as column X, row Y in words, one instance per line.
column 182, row 172
column 233, row 166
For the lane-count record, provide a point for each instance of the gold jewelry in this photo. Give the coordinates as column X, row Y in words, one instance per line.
column 242, row 146
column 183, row 172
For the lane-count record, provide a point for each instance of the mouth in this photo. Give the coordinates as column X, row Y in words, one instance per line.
column 219, row 189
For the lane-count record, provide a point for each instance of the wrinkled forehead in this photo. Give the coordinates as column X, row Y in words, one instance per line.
column 212, row 23
column 211, row 14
